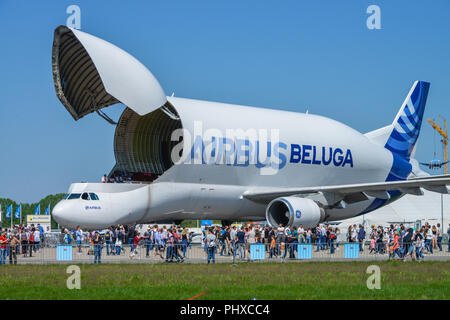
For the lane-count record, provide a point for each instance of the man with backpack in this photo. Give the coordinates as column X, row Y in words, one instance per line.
column 109, row 241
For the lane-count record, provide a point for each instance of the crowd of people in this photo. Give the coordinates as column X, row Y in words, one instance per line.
column 170, row 243
column 401, row 242
column 20, row 240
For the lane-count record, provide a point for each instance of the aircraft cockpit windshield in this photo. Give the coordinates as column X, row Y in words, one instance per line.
column 84, row 196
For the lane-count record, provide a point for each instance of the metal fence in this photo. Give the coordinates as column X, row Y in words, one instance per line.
column 222, row 253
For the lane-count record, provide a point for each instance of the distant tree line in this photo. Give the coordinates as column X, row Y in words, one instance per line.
column 28, row 208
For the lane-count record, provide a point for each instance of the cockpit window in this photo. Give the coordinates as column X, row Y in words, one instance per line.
column 74, row 196
column 85, row 196
column 93, row 196
column 66, row 196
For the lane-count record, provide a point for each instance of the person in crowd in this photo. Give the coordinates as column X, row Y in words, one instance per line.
column 448, row 237
column 41, row 235
column 294, row 242
column 13, row 246
column 170, row 246
column 30, row 238
column 135, row 244
column 37, row 239
column 176, row 252
column 439, row 236
column 418, row 244
column 211, row 244
column 184, row 241
column 361, row 237
column 147, row 237
column 233, row 242
column 67, row 238
column 434, row 237
column 104, row 179
column 109, row 241
column 79, row 239
column 428, row 239
column 240, row 243
column 332, row 235
column 130, row 236
column 119, row 234
column 3, row 247
column 308, row 236
column 272, row 252
column 251, row 239
column 98, row 245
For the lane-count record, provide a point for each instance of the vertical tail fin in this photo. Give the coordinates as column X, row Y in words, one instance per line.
column 407, row 123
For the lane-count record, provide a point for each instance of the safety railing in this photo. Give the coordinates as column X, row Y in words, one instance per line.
column 228, row 252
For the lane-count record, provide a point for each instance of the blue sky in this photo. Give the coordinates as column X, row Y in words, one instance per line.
column 290, row 54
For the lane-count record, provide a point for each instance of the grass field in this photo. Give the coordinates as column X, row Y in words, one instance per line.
column 314, row 280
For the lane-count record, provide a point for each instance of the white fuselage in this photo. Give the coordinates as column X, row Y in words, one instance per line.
column 231, row 149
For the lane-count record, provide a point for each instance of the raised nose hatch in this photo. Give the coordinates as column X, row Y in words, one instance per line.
column 90, row 73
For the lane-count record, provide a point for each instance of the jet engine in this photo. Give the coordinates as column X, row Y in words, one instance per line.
column 294, row 211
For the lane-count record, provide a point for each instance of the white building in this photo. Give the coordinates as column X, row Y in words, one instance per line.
column 408, row 210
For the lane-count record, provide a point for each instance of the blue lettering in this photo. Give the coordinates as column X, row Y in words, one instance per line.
column 198, row 144
column 242, row 152
column 348, row 158
column 280, row 156
column 229, row 153
column 306, row 149
column 339, row 158
column 258, row 164
column 314, row 161
column 295, row 153
column 326, row 162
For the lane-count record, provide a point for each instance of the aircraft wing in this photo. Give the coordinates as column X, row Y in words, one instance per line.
column 355, row 192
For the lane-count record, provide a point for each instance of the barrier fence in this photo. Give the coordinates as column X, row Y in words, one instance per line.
column 224, row 252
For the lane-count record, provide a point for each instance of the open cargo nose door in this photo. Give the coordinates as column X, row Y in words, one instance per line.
column 90, row 73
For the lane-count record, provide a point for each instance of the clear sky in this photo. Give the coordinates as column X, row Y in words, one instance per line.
column 286, row 54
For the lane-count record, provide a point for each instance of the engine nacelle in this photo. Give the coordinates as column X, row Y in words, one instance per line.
column 294, row 211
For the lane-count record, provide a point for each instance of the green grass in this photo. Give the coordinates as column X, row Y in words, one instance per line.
column 314, row 280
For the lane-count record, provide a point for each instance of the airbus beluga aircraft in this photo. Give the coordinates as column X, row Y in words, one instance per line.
column 212, row 160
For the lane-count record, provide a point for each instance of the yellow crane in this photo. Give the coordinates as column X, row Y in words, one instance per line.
column 444, row 133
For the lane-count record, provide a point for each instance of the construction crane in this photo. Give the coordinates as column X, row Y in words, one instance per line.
column 444, row 133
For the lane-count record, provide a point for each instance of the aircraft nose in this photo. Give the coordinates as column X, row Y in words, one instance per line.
column 60, row 213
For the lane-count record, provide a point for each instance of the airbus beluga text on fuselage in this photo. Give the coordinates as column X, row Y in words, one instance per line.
column 191, row 159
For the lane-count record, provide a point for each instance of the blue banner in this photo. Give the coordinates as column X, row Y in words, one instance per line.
column 17, row 214
column 8, row 211
column 47, row 211
column 37, row 209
